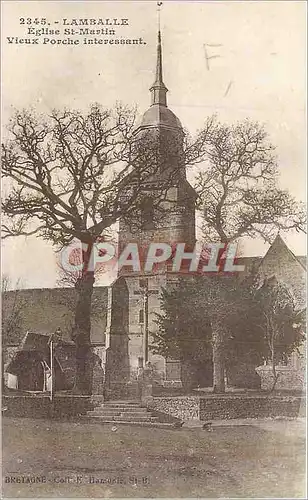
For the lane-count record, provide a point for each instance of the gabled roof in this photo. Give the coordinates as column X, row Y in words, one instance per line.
column 34, row 341
column 279, row 245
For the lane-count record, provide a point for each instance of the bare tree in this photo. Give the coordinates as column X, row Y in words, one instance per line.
column 69, row 276
column 238, row 191
column 72, row 175
column 13, row 306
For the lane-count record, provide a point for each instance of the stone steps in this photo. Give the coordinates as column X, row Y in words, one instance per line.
column 121, row 409
column 98, row 413
column 98, row 420
column 108, row 418
column 124, row 412
column 121, row 405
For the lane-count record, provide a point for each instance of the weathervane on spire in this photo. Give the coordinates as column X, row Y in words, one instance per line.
column 159, row 89
column 159, row 4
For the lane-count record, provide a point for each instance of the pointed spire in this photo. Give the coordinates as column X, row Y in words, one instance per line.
column 159, row 89
column 159, row 62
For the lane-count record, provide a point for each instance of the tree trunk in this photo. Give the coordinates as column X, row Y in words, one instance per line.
column 218, row 332
column 275, row 374
column 82, row 328
column 187, row 375
column 218, row 363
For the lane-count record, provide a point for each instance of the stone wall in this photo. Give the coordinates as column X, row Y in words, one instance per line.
column 34, row 406
column 228, row 407
column 220, row 407
column 288, row 378
column 185, row 407
column 173, row 374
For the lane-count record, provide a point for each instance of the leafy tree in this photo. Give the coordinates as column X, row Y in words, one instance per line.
column 71, row 175
column 238, row 186
column 184, row 331
column 229, row 302
column 199, row 317
column 230, row 321
column 282, row 325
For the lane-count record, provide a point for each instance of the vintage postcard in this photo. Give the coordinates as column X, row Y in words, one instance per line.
column 153, row 249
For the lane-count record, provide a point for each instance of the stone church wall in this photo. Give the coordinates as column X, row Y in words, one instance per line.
column 289, row 270
column 280, row 261
column 44, row 310
column 136, row 321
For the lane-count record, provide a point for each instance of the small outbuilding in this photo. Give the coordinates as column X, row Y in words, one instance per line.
column 30, row 367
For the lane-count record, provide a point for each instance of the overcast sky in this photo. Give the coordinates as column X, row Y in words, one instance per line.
column 262, row 60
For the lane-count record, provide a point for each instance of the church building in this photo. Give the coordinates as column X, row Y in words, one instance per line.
column 174, row 224
column 123, row 316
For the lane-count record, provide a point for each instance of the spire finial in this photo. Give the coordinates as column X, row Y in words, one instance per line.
column 159, row 4
column 158, row 89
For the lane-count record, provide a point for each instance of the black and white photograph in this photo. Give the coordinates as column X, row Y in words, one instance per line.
column 153, row 249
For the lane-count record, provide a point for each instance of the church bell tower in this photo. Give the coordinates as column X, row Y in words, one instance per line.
column 174, row 224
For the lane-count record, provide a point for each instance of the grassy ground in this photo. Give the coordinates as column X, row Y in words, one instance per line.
column 231, row 461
